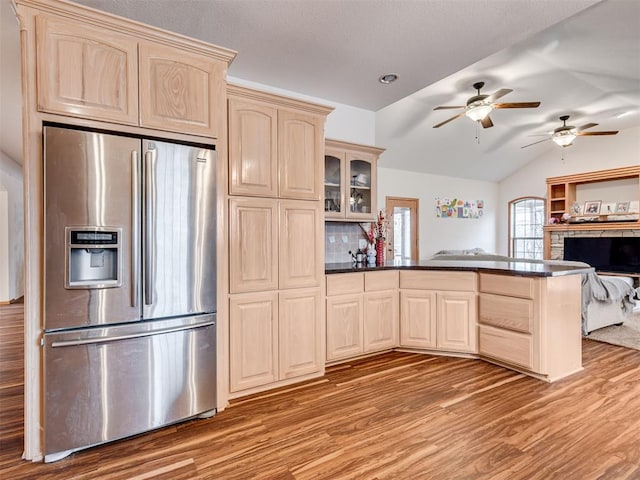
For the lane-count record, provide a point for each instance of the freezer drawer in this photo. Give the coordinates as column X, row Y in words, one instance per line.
column 106, row 383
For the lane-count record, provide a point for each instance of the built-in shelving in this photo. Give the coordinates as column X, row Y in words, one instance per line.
column 563, row 193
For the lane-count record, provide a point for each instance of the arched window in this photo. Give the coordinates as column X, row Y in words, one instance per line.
column 526, row 219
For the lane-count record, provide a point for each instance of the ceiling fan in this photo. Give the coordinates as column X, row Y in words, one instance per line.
column 480, row 106
column 566, row 134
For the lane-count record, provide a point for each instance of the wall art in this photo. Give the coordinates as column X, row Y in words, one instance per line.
column 458, row 208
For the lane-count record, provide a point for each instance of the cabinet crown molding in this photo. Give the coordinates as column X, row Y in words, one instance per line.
column 277, row 100
column 99, row 18
column 341, row 144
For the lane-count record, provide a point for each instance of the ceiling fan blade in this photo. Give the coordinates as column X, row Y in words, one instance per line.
column 486, row 122
column 445, row 107
column 584, row 127
column 517, row 105
column 450, row 119
column 496, row 95
column 587, row 134
column 539, row 141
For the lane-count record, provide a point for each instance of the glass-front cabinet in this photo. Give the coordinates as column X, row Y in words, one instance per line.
column 350, row 181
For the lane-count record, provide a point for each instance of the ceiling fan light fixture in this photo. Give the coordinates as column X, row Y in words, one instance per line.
column 564, row 138
column 478, row 112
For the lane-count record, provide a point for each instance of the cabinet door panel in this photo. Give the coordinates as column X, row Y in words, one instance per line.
column 253, row 140
column 344, row 326
column 181, row 91
column 301, row 255
column 300, row 153
column 300, row 333
column 380, row 321
column 418, row 319
column 253, row 340
column 253, row 240
column 86, row 71
column 456, row 321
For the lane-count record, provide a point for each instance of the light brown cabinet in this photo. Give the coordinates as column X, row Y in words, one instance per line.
column 362, row 313
column 434, row 318
column 84, row 71
column 350, row 181
column 180, row 91
column 96, row 72
column 275, row 145
column 274, row 244
column 301, row 247
column 253, row 244
column 344, row 326
column 253, row 340
column 274, row 336
column 300, row 333
column 418, row 313
column 276, row 236
column 380, row 325
column 531, row 324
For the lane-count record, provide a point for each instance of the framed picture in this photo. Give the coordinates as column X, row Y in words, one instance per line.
column 608, row 208
column 592, row 207
column 622, row 207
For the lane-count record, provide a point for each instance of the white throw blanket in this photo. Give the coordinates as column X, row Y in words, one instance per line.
column 594, row 288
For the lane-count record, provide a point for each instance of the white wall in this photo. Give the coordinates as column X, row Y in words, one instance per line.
column 11, row 230
column 585, row 155
column 346, row 123
column 11, row 211
column 444, row 233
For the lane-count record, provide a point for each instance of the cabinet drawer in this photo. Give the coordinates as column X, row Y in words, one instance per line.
column 378, row 281
column 343, row 283
column 439, row 280
column 507, row 312
column 510, row 347
column 507, row 285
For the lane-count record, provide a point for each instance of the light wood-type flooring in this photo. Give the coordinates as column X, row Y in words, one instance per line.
column 397, row 415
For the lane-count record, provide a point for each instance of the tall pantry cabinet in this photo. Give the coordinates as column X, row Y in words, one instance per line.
column 276, row 244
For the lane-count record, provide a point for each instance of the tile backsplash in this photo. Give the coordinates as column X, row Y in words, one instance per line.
column 340, row 237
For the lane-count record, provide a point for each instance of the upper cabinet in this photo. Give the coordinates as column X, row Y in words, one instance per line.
column 83, row 72
column 275, row 145
column 180, row 91
column 104, row 69
column 350, row 181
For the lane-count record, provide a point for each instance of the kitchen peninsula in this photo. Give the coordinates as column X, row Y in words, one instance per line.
column 524, row 316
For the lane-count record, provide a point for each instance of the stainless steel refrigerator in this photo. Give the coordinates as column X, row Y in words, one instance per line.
column 129, row 286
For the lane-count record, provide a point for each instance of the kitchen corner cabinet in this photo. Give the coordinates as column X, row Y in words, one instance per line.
column 275, row 145
column 362, row 313
column 438, row 311
column 93, row 70
column 350, row 181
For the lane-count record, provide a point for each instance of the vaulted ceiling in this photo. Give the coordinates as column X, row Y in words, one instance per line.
column 577, row 57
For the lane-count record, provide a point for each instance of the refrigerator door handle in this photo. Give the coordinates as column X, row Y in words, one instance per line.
column 149, row 234
column 135, row 228
column 115, row 338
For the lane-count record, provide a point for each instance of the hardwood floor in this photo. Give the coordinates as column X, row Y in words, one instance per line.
column 397, row 415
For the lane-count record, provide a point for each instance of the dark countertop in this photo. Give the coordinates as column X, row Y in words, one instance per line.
column 518, row 268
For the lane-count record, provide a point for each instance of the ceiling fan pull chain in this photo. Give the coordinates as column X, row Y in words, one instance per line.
column 478, row 133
